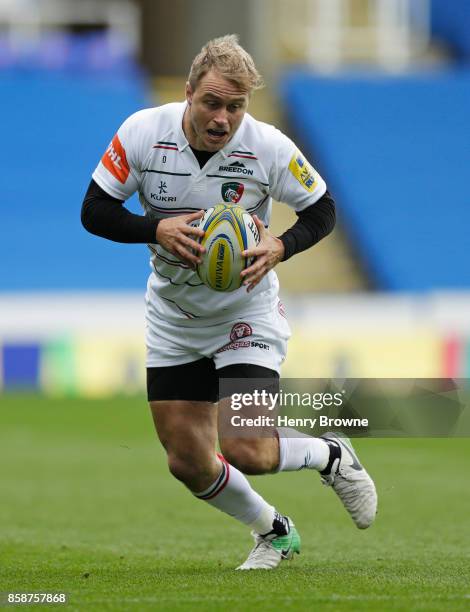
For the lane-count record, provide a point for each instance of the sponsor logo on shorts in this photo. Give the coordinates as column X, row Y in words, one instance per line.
column 303, row 171
column 232, row 192
column 239, row 338
column 237, row 167
column 240, row 330
column 115, row 160
column 281, row 309
column 260, row 345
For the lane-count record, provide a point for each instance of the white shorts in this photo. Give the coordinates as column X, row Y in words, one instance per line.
column 259, row 339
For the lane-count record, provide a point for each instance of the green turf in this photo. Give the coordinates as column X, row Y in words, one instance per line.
column 88, row 508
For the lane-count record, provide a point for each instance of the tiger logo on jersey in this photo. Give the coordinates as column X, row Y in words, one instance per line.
column 232, row 192
column 115, row 160
column 303, row 171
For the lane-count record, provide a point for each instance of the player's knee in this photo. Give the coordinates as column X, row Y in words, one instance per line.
column 248, row 456
column 182, row 468
column 195, row 473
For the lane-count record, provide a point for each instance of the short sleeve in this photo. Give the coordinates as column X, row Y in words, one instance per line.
column 294, row 180
column 118, row 170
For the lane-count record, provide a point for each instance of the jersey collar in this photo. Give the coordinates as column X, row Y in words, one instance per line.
column 182, row 142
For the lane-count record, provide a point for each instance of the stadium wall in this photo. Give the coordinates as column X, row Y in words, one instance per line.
column 92, row 344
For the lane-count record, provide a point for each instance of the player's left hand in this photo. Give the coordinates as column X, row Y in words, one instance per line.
column 268, row 253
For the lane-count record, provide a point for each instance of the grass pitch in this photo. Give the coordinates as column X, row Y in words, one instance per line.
column 89, row 509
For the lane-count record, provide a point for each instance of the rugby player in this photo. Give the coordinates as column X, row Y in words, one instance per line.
column 183, row 158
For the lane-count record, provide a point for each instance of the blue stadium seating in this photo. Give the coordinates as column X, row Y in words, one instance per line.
column 55, row 127
column 396, row 154
column 450, row 24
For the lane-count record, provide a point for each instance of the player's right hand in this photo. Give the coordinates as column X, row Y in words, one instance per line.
column 174, row 235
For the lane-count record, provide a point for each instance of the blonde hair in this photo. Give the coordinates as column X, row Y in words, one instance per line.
column 230, row 59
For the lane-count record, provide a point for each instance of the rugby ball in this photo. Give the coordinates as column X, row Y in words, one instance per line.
column 229, row 230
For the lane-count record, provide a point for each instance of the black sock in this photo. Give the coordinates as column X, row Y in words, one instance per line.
column 280, row 526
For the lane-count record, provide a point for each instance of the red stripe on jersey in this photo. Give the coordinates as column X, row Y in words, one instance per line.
column 115, row 160
column 163, row 147
column 244, row 156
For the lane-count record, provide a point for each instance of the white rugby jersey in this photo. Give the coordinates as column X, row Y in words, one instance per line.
column 150, row 154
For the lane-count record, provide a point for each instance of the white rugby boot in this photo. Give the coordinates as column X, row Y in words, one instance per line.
column 271, row 549
column 350, row 481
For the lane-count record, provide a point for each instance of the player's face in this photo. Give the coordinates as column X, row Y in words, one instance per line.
column 216, row 107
